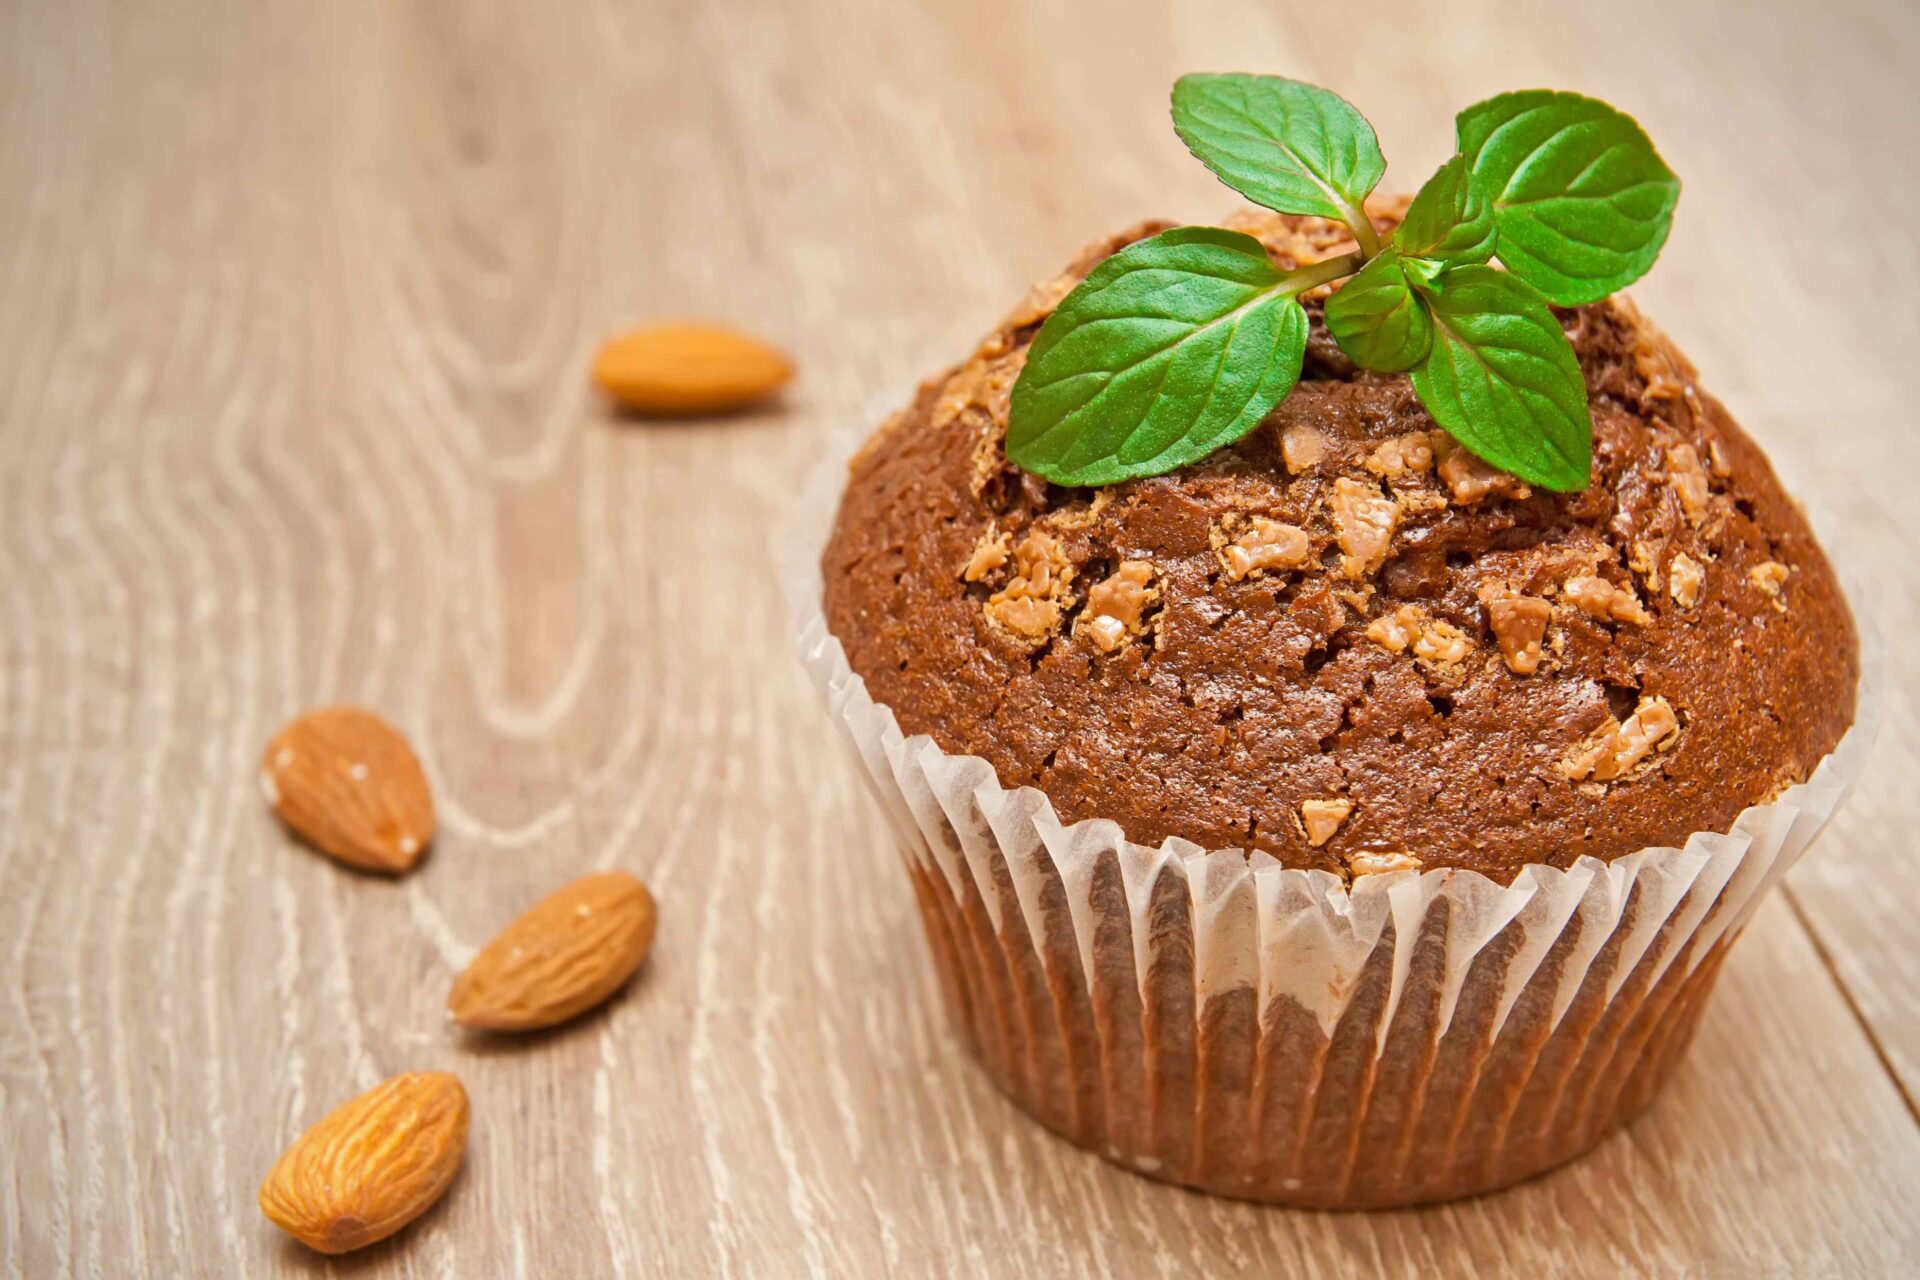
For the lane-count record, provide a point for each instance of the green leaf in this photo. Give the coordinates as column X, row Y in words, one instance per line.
column 1503, row 380
column 1378, row 320
column 1450, row 218
column 1292, row 147
column 1170, row 349
column 1582, row 201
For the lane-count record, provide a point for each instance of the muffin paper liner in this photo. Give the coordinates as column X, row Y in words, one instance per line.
column 1216, row 1019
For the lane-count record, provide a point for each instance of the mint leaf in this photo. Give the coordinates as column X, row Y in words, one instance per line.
column 1503, row 380
column 1292, row 147
column 1582, row 201
column 1377, row 319
column 1450, row 218
column 1170, row 349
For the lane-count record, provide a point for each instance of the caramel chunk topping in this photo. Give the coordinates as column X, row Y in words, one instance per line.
column 1115, row 606
column 1395, row 631
column 1030, row 616
column 1641, row 559
column 1519, row 624
column 1685, row 577
column 1377, row 862
column 1321, row 818
column 1598, row 598
column 1266, row 544
column 1614, row 749
column 1431, row 639
column 1302, row 447
column 1769, row 576
column 989, row 554
column 983, row 384
column 1030, row 605
column 1355, row 598
column 1472, row 479
column 1363, row 522
column 1402, row 456
column 1443, row 643
column 1106, row 633
column 1688, row 479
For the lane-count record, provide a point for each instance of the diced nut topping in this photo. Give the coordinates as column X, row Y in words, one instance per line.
column 1266, row 544
column 1717, row 458
column 1432, row 640
column 1688, row 479
column 989, row 554
column 1598, row 598
column 1377, row 862
column 1031, row 617
column 1321, row 818
column 1685, row 577
column 1420, row 501
column 1519, row 624
column 1395, row 631
column 986, row 384
column 1114, row 607
column 1402, row 455
column 1642, row 560
column 1301, row 448
column 1659, row 365
column 1471, row 478
column 1614, row 749
column 1771, row 577
column 1106, row 633
column 1363, row 522
column 1653, row 360
column 1030, row 605
column 1442, row 642
column 1355, row 598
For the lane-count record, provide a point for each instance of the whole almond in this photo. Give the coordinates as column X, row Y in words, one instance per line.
column 346, row 781
column 372, row 1166
column 682, row 369
column 570, row 951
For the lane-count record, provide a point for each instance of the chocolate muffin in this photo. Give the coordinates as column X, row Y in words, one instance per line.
column 1345, row 641
column 1336, row 821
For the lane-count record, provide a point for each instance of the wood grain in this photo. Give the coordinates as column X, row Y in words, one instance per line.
column 296, row 303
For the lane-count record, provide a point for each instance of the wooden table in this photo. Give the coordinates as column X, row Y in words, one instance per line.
column 295, row 306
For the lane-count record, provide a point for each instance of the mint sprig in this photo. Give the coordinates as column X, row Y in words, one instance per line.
column 1501, row 377
column 1378, row 320
column 1582, row 200
column 1170, row 349
column 1289, row 146
column 1181, row 344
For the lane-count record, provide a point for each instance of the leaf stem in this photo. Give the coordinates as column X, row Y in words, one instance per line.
column 1362, row 227
column 1300, row 279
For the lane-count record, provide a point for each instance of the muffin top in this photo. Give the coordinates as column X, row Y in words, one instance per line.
column 1344, row 640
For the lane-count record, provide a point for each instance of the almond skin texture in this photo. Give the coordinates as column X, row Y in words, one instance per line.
column 570, row 951
column 347, row 783
column 372, row 1166
column 679, row 370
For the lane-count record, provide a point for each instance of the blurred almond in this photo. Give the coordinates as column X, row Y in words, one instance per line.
column 346, row 781
column 372, row 1166
column 570, row 951
column 686, row 369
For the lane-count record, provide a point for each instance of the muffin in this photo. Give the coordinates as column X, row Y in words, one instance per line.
column 1337, row 820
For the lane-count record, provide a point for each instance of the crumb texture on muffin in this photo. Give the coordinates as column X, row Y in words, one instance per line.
column 1345, row 640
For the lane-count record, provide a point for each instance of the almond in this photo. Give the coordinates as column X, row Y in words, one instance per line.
column 570, row 951
column 346, row 782
column 684, row 369
column 372, row 1166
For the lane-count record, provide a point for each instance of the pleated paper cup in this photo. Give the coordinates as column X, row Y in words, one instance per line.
column 1215, row 1019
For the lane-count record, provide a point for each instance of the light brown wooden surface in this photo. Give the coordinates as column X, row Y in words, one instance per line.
column 295, row 304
